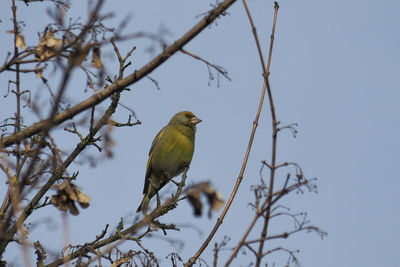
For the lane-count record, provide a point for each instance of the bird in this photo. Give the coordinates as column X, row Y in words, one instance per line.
column 170, row 154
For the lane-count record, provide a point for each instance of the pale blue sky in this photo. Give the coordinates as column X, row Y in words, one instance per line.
column 335, row 72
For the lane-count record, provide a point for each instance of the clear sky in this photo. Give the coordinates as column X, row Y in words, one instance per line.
column 335, row 72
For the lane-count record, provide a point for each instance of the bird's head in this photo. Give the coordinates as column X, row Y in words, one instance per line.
column 186, row 118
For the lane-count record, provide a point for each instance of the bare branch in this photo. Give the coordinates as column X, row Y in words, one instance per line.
column 46, row 125
column 219, row 69
column 125, row 234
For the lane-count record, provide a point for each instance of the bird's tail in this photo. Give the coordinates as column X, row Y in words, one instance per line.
column 144, row 205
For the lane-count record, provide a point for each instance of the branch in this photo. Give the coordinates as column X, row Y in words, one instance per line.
column 125, row 234
column 274, row 130
column 57, row 173
column 246, row 157
column 45, row 125
column 271, row 166
column 219, row 69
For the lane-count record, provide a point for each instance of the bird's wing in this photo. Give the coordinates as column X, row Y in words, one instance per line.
column 148, row 167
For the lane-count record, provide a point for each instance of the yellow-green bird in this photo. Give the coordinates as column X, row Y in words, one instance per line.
column 170, row 153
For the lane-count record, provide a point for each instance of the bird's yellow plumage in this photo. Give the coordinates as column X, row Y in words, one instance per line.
column 170, row 153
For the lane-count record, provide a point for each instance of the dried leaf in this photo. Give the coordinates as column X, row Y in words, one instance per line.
column 62, row 186
column 216, row 201
column 50, row 41
column 48, row 46
column 79, row 56
column 70, row 190
column 83, row 200
column 194, row 199
column 20, row 41
column 57, row 201
column 73, row 209
column 214, row 198
column 67, row 194
column 96, row 60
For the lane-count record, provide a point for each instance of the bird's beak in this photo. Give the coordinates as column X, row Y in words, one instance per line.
column 195, row 120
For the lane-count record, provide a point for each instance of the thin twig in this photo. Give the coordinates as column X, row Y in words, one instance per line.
column 219, row 69
column 244, row 164
column 274, row 141
column 271, row 166
column 119, row 84
column 15, row 191
column 57, row 173
column 120, row 236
